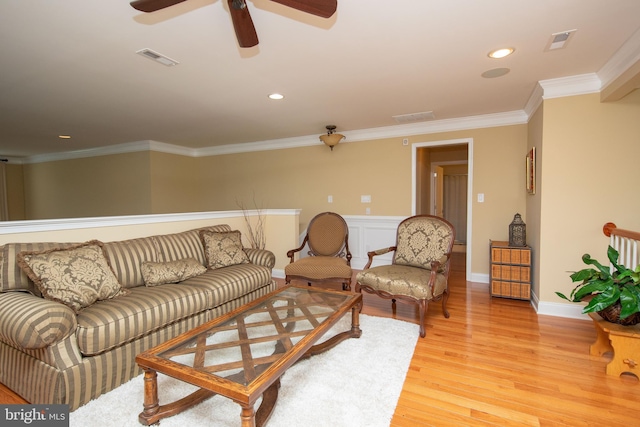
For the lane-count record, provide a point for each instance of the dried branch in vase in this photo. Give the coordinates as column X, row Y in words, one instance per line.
column 255, row 221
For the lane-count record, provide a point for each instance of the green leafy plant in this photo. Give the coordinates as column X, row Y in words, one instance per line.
column 607, row 288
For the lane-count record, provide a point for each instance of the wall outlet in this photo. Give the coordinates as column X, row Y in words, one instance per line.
column 480, row 197
column 365, row 199
column 367, row 211
column 329, row 199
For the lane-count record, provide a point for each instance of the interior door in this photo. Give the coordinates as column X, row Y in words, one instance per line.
column 455, row 204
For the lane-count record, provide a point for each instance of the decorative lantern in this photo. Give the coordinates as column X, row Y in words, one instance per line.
column 517, row 232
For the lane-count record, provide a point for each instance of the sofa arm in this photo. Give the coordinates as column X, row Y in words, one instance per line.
column 31, row 322
column 261, row 257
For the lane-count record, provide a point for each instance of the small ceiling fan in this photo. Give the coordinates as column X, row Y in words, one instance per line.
column 242, row 22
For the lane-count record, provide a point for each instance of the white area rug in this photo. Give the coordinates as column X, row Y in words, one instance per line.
column 355, row 384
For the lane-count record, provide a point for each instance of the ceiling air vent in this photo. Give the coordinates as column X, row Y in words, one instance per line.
column 164, row 60
column 414, row 117
column 559, row 40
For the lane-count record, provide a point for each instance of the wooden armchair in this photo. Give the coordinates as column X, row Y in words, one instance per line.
column 419, row 272
column 329, row 258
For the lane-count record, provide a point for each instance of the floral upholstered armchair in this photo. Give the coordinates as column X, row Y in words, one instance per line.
column 419, row 272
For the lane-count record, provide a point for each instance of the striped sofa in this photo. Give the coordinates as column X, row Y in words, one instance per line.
column 51, row 355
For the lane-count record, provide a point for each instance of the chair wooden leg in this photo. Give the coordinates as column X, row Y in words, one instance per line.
column 422, row 307
column 445, row 298
column 359, row 291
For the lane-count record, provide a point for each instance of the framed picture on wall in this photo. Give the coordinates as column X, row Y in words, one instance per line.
column 531, row 171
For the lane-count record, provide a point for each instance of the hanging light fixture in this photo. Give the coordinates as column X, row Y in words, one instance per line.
column 331, row 138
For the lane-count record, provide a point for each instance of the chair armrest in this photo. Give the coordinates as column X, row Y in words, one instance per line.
column 383, row 251
column 262, row 257
column 442, row 264
column 291, row 253
column 30, row 322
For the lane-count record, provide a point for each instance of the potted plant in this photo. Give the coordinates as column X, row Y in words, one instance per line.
column 615, row 296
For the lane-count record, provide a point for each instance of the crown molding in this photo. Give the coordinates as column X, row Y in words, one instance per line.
column 130, row 147
column 570, row 86
column 436, row 126
column 535, row 100
column 626, row 57
column 560, row 88
column 248, row 147
column 13, row 160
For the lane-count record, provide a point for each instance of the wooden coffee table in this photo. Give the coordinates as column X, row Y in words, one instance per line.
column 243, row 354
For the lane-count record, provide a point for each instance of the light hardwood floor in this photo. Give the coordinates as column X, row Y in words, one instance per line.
column 495, row 362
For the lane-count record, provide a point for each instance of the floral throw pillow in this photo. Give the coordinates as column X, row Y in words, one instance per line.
column 223, row 249
column 160, row 273
column 77, row 276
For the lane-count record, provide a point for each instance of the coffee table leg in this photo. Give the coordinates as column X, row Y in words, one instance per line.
column 248, row 416
column 151, row 406
column 269, row 398
column 356, row 332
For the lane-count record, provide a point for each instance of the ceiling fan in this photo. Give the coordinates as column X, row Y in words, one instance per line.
column 245, row 30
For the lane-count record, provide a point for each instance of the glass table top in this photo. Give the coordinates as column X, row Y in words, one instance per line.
column 245, row 345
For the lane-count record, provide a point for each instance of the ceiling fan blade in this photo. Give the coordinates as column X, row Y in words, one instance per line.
column 322, row 8
column 153, row 5
column 242, row 23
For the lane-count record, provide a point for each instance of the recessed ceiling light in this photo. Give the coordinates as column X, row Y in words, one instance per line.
column 276, row 96
column 64, row 136
column 501, row 53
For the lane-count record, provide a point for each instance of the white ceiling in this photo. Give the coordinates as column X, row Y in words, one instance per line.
column 69, row 67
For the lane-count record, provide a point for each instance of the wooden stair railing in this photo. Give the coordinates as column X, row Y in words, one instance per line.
column 626, row 242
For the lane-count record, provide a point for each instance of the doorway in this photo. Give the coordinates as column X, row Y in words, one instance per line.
column 449, row 195
column 442, row 183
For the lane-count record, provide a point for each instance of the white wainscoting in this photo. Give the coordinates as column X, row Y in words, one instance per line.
column 368, row 233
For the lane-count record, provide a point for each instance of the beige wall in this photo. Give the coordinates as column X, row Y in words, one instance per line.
column 304, row 177
column 15, row 192
column 96, row 186
column 174, row 184
column 589, row 176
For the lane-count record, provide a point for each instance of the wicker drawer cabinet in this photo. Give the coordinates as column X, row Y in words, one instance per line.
column 510, row 270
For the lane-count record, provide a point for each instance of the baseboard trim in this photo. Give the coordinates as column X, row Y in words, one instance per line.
column 479, row 277
column 558, row 309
